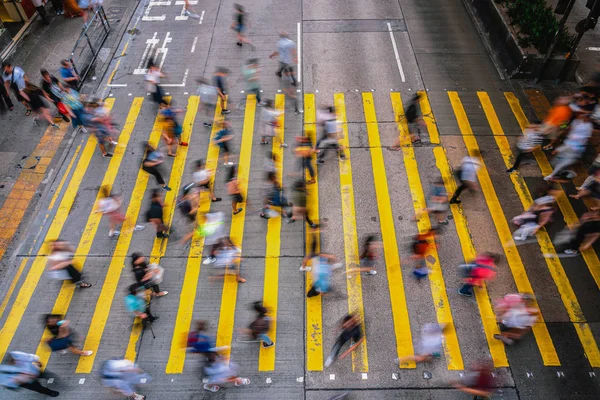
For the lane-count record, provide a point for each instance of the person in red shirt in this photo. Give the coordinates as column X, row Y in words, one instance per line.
column 481, row 270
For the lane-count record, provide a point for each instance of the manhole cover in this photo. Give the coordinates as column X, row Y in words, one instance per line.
column 28, row 162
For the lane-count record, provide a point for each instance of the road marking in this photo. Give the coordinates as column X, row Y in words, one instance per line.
column 299, row 66
column 236, row 233
column 113, row 274
column 404, row 346
column 594, row 48
column 163, row 50
column 314, row 310
column 194, row 44
column 150, row 45
column 429, row 118
column 396, row 52
column 151, row 4
column 266, row 357
column 452, row 352
column 182, row 16
column 589, row 255
column 201, row 18
column 112, row 74
column 540, row 330
column 160, row 245
column 39, row 263
column 360, row 361
column 555, row 267
column 488, row 318
column 182, row 84
column 116, row 85
column 187, row 297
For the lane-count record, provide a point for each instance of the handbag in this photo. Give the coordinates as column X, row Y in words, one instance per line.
column 157, row 274
column 62, row 109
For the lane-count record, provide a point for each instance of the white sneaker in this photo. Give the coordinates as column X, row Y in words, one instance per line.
column 210, row 260
column 139, row 227
column 328, row 362
column 114, row 143
column 113, row 233
column 83, row 129
column 305, row 269
column 87, row 353
column 228, row 163
column 186, row 12
column 371, row 272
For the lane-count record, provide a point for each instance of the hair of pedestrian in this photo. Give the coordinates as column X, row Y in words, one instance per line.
column 269, row 103
column 64, row 62
column 200, row 163
column 6, row 64
column 48, row 317
column 271, row 176
column 148, row 147
column 156, row 193
column 252, row 61
column 284, row 34
column 300, row 185
column 231, row 173
column 44, row 72
column 259, row 308
column 135, row 256
column 201, row 325
column 238, row 7
column 132, row 289
column 222, row 70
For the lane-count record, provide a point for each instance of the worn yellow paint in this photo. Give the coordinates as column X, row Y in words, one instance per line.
column 429, row 118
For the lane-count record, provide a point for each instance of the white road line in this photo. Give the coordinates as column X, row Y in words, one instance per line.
column 396, row 52
column 299, row 67
column 182, row 84
column 194, row 45
column 594, row 48
column 117, row 85
column 201, row 17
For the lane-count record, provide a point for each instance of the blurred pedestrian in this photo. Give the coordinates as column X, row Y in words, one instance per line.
column 72, row 100
column 147, row 275
column 71, row 9
column 437, row 203
column 466, row 175
column 323, row 265
column 204, row 179
column 172, row 129
column 275, row 198
column 477, row 381
column 533, row 138
column 288, row 56
column 413, row 117
column 23, row 370
column 556, row 121
column 430, row 345
column 516, row 315
column 239, row 25
column 234, row 191
column 154, row 215
column 60, row 263
column 199, row 342
column 219, row 371
column 350, row 330
column 228, row 258
column 477, row 272
column 585, row 234
column 269, row 118
column 5, row 101
column 122, row 377
column 208, row 100
column 299, row 207
column 213, row 230
column 220, row 83
column 58, row 6
column 137, row 302
column 53, row 92
column 189, row 11
column 63, row 337
column 333, row 133
column 368, row 257
column 14, row 79
column 153, row 158
column 422, row 245
column 537, row 216
column 40, row 6
column 110, row 205
column 590, row 189
column 260, row 326
column 251, row 72
column 304, row 151
column 37, row 105
column 223, row 139
column 152, row 79
column 68, row 74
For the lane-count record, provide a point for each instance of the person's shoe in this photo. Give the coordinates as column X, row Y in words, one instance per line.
column 211, row 388
column 547, row 178
column 239, row 210
column 267, row 345
column 305, row 269
column 510, row 170
column 328, row 362
column 186, row 12
column 284, row 145
column 63, row 352
column 225, row 111
column 454, row 201
column 262, row 104
column 139, row 227
column 113, row 233
column 53, row 393
column 465, row 294
column 107, row 155
column 504, row 339
column 114, row 143
column 206, row 124
column 36, row 122
column 65, row 118
column 210, row 260
column 313, row 226
column 154, row 319
column 263, row 215
column 298, row 112
column 83, row 129
column 87, row 353
column 228, row 163
column 166, row 188
column 55, row 126
column 278, row 74
column 264, row 142
column 239, row 44
column 184, row 144
column 444, row 222
column 290, row 221
column 571, row 252
column 371, row 272
column 320, row 162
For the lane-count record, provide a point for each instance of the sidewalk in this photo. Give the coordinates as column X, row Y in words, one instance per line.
column 28, row 153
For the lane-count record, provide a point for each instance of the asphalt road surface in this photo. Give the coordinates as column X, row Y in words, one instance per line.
column 367, row 58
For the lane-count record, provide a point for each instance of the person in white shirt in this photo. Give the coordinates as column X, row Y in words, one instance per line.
column 467, row 175
column 152, row 79
column 288, row 56
column 203, row 179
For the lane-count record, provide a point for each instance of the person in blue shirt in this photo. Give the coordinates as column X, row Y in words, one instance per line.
column 222, row 138
column 68, row 74
column 22, row 370
column 14, row 78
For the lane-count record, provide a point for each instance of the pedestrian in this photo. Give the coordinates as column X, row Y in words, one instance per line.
column 5, row 101
column 239, row 25
column 304, row 151
column 172, row 129
column 413, row 117
column 136, row 303
column 477, row 381
column 288, row 85
column 213, row 230
column 188, row 202
column 40, row 6
column 189, row 11
column 422, row 245
column 53, row 92
column 68, row 74
column 147, row 275
column 288, row 56
column 208, row 100
column 222, row 139
column 153, row 158
column 516, row 315
column 101, row 130
column 219, row 371
column 58, row 7
column 323, row 265
column 467, row 175
column 557, row 121
column 572, row 149
column 23, row 370
column 204, row 179
column 80, row 118
column 154, row 215
column 586, row 233
column 71, row 9
column 110, row 205
column 533, row 138
column 63, row 337
column 437, row 203
column 430, row 346
column 251, row 72
column 368, row 257
column 299, row 206
column 590, row 189
column 60, row 263
column 537, row 216
column 269, row 118
column 198, row 341
column 14, row 79
column 220, row 82
column 477, row 272
column 152, row 79
column 260, row 326
column 332, row 134
column 275, row 198
column 228, row 258
column 122, row 377
column 234, row 191
column 350, row 327
column 37, row 105
column 310, row 254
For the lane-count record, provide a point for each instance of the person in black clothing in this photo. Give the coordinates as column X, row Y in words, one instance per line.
column 5, row 98
column 587, row 233
column 155, row 215
column 58, row 7
column 37, row 105
column 144, row 274
column 412, row 116
column 52, row 89
column 351, row 329
column 220, row 84
column 63, row 336
column 151, row 164
column 239, row 25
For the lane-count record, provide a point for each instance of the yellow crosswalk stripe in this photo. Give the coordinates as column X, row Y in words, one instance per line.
column 488, row 318
column 39, row 263
column 187, row 296
column 589, row 255
column 452, row 352
column 554, row 264
column 314, row 309
column 360, row 361
column 429, row 118
column 540, row 330
column 113, row 275
column 266, row 357
column 236, row 233
column 87, row 236
column 404, row 345
column 160, row 244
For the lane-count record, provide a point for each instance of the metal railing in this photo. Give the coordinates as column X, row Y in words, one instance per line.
column 92, row 38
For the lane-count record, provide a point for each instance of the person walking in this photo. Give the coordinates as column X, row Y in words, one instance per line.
column 220, row 371
column 251, row 72
column 234, row 191
column 189, row 11
column 299, row 208
column 478, row 381
column 288, row 85
column 60, row 264
column 122, row 377
column 532, row 139
column 152, row 79
column 220, row 83
column 368, row 257
column 430, row 346
column 40, row 6
column 153, row 158
column 137, row 302
column 517, row 314
column 80, row 118
column 203, row 178
column 37, row 105
column 556, row 121
column 172, row 129
column 590, row 189
column 275, row 198
column 14, row 79
column 58, row 7
column 52, row 89
column 437, row 203
column 110, row 205
column 304, row 151
column 586, row 233
column 538, row 215
column 63, row 337
column 332, row 134
column 23, row 370
column 476, row 273
column 350, row 327
column 269, row 118
column 146, row 274
column 423, row 243
column 413, row 117
column 467, row 175
column 260, row 326
column 287, row 55
column 213, row 230
column 323, row 265
column 222, row 139
column 154, row 215
column 68, row 74
column 208, row 100
column 239, row 25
